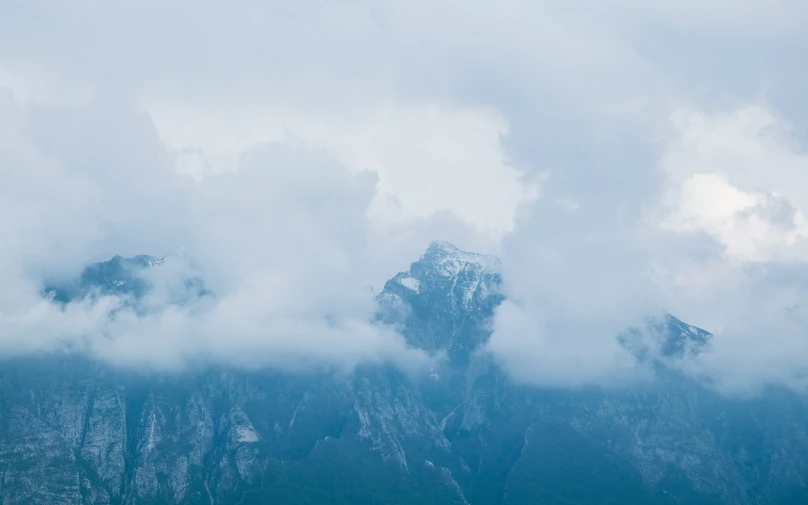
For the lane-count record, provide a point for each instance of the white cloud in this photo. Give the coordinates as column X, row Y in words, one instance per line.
column 739, row 178
column 723, row 247
column 751, row 226
column 282, row 242
column 298, row 120
column 575, row 279
column 429, row 158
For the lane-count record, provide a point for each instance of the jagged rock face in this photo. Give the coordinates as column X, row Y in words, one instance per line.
column 75, row 432
column 445, row 300
column 218, row 437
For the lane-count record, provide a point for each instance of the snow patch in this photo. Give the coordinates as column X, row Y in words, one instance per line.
column 468, row 292
column 450, row 260
column 410, row 283
column 153, row 262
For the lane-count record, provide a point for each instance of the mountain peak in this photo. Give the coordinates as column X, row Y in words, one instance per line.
column 441, row 245
column 447, row 296
column 447, row 260
column 117, row 276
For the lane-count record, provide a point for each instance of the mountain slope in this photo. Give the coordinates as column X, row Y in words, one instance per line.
column 73, row 431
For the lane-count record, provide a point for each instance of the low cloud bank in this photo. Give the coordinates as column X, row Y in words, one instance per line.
column 720, row 243
column 286, row 245
column 618, row 168
column 282, row 243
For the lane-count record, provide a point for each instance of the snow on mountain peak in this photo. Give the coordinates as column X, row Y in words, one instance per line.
column 448, row 260
column 410, row 282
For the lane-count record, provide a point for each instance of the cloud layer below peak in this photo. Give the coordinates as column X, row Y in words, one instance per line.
column 301, row 153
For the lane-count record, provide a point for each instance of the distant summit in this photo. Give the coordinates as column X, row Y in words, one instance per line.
column 118, row 276
column 445, row 259
column 444, row 299
column 125, row 277
column 448, row 297
column 444, row 302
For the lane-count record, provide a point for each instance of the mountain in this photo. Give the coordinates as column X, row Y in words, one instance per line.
column 118, row 276
column 444, row 301
column 74, row 431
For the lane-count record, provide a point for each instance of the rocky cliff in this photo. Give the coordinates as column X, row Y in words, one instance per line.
column 77, row 432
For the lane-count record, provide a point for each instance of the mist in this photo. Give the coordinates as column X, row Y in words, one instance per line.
column 619, row 171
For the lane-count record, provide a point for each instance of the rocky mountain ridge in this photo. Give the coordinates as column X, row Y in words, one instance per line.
column 78, row 432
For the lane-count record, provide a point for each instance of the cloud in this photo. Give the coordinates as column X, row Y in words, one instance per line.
column 723, row 247
column 429, row 158
column 737, row 178
column 624, row 158
column 748, row 225
column 575, row 278
column 282, row 242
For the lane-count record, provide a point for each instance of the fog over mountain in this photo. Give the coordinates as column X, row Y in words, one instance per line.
column 596, row 200
column 685, row 179
column 460, row 431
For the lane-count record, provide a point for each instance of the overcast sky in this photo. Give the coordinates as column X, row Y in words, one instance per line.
column 622, row 157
